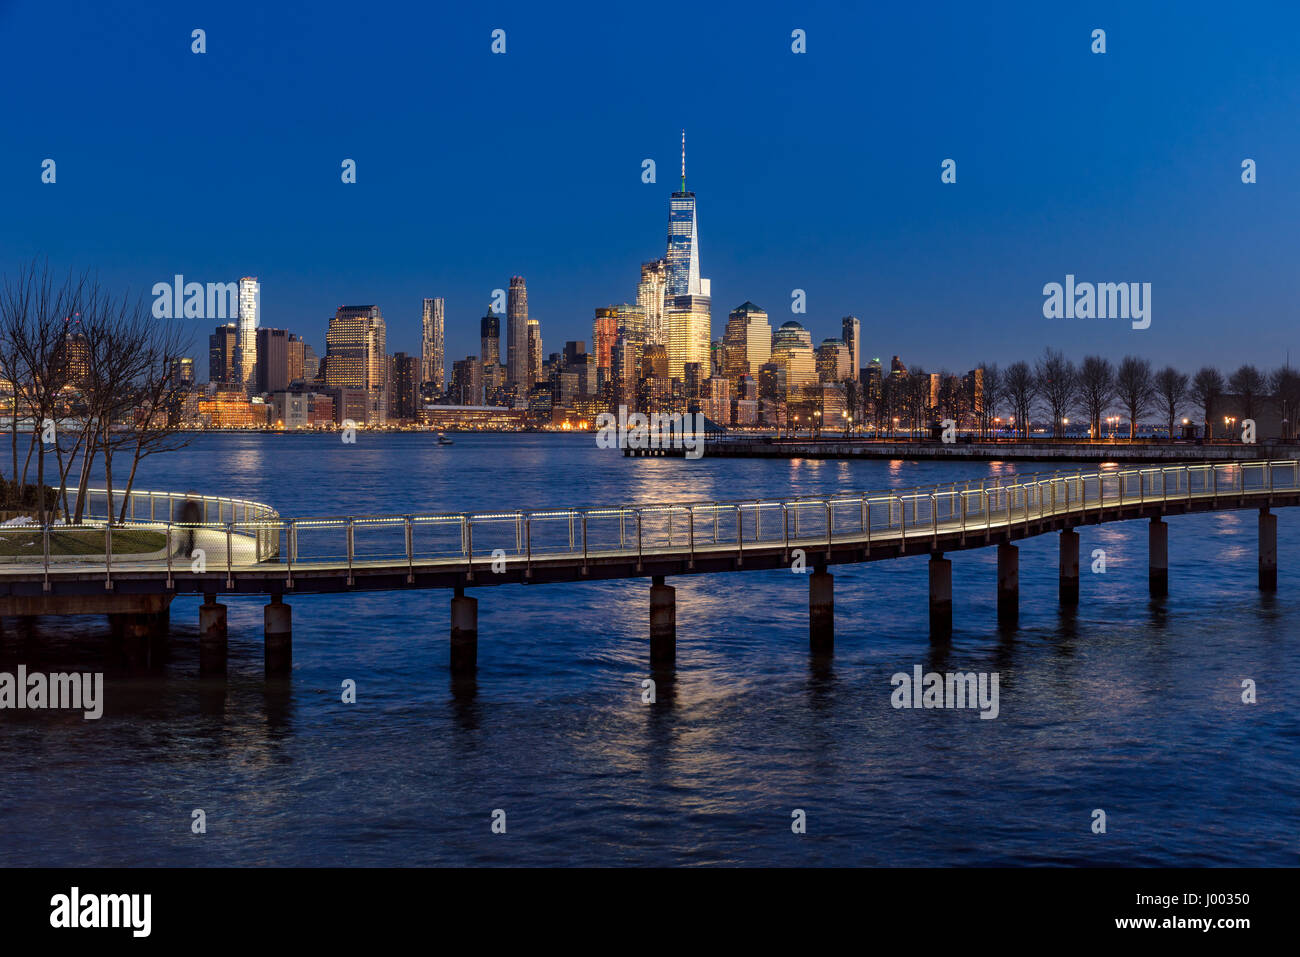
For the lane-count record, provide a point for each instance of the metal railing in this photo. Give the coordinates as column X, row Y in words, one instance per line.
column 246, row 534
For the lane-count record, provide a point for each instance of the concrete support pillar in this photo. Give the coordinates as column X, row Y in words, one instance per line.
column 821, row 611
column 1267, row 550
column 940, row 598
column 212, row 636
column 1008, row 585
column 464, row 634
column 663, row 622
column 1158, row 550
column 278, row 648
column 1069, row 567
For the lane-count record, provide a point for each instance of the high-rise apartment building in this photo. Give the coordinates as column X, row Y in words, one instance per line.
column 534, row 352
column 433, row 350
column 404, row 386
column 250, row 308
column 517, row 333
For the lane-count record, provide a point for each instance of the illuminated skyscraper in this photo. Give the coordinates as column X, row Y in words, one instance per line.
column 433, row 353
column 604, row 331
column 223, row 354
column 517, row 333
column 792, row 351
column 851, row 334
column 355, row 356
column 748, row 341
column 250, row 307
column 687, row 305
column 650, row 297
column 534, row 352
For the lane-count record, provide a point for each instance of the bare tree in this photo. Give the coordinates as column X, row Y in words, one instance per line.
column 1171, row 394
column 990, row 395
column 1249, row 385
column 158, row 395
column 1096, row 390
column 1020, row 389
column 1207, row 386
column 34, row 308
column 1284, row 383
column 1058, row 383
column 1135, row 388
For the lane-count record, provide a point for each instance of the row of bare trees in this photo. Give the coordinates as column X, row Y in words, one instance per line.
column 1056, row 386
column 89, row 380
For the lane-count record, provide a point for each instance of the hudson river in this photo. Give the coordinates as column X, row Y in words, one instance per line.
column 1129, row 705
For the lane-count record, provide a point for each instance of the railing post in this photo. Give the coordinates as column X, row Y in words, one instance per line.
column 291, row 545
column 690, row 517
column 350, row 550
column 934, row 518
column 785, row 524
column 45, row 547
column 409, row 522
column 528, row 546
column 584, row 543
column 469, row 546
column 230, row 548
column 108, row 554
column 170, row 583
column 639, row 550
column 740, row 536
column 830, row 525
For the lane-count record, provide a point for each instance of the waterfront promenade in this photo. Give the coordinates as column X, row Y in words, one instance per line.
column 246, row 548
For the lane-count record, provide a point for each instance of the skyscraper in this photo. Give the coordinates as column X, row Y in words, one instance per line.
column 534, row 352
column 687, row 306
column 489, row 330
column 433, row 355
column 250, row 308
column 851, row 335
column 650, row 297
column 223, row 354
column 271, row 374
column 517, row 333
column 604, row 330
column 355, row 356
column 748, row 340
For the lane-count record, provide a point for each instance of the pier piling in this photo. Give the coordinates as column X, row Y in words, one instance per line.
column 1008, row 585
column 821, row 611
column 464, row 634
column 213, row 646
column 1069, row 568
column 940, row 597
column 663, row 622
column 1267, row 550
column 278, row 643
column 1158, row 552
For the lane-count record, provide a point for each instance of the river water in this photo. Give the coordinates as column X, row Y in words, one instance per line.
column 1130, row 706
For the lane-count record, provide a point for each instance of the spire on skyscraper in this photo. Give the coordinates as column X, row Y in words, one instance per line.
column 683, row 161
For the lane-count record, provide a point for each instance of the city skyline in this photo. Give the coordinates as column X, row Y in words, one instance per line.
column 1060, row 176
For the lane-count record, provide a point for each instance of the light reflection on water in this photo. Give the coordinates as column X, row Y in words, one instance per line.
column 1127, row 704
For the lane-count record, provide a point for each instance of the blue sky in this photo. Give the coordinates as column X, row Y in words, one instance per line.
column 818, row 171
